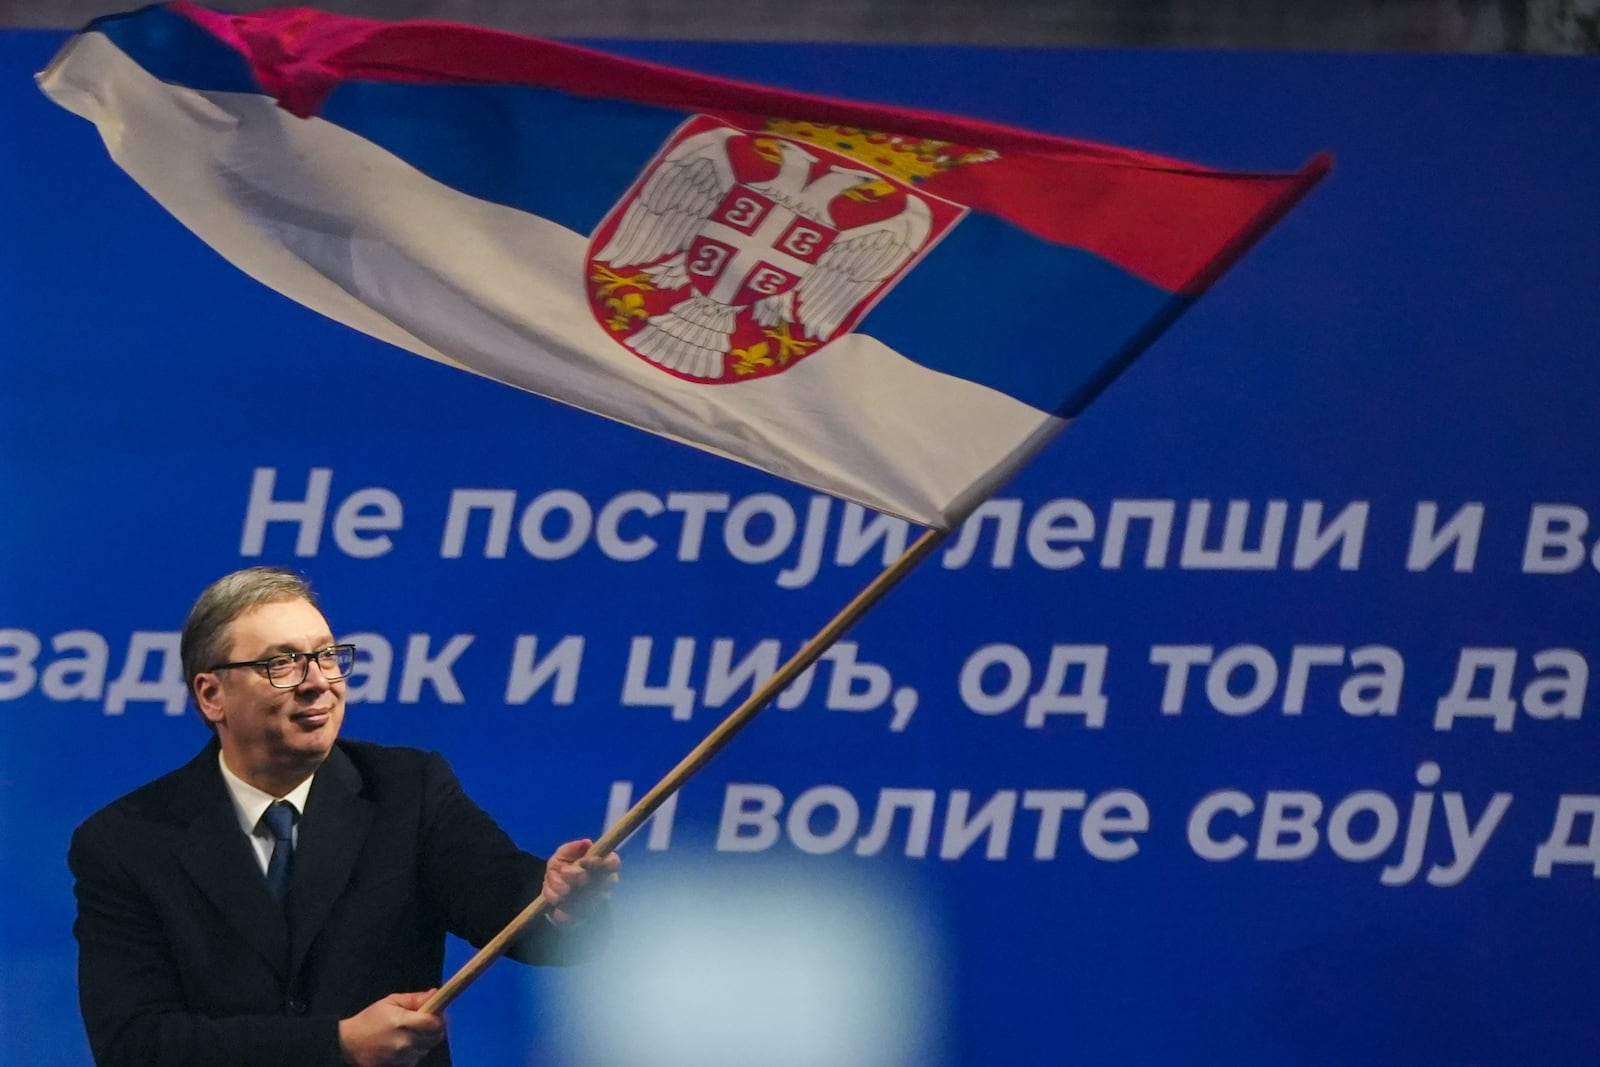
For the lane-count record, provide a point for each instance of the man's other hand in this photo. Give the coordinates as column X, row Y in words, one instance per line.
column 575, row 883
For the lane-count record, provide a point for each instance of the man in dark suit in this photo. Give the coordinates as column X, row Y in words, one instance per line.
column 283, row 898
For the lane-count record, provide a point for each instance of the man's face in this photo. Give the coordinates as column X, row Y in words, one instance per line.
column 273, row 738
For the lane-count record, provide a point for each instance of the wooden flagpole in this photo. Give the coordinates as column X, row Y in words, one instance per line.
column 715, row 742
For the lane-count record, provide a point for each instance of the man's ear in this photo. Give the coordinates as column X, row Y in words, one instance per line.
column 208, row 696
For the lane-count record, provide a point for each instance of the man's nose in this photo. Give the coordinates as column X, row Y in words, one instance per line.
column 313, row 668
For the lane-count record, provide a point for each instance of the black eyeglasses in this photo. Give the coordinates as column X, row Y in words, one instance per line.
column 289, row 670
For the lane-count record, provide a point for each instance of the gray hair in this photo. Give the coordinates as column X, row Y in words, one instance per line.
column 205, row 632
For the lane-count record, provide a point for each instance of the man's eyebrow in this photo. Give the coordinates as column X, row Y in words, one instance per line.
column 287, row 646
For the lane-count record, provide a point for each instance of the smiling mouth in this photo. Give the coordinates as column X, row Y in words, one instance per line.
column 312, row 719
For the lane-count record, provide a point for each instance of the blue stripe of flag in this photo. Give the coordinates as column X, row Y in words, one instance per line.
column 564, row 158
column 178, row 50
column 1037, row 321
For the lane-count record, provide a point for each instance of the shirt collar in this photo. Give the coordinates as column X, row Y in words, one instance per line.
column 250, row 803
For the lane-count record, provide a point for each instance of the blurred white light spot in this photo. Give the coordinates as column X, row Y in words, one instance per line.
column 783, row 970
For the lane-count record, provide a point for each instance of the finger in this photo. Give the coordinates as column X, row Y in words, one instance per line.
column 572, row 851
column 579, row 891
column 424, row 1023
column 420, row 1024
column 411, row 1001
column 599, row 884
column 556, row 885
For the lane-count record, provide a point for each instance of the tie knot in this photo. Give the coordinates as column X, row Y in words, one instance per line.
column 279, row 819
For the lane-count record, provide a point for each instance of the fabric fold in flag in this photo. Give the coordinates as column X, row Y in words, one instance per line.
column 826, row 290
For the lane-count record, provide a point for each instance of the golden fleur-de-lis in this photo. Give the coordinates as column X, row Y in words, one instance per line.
column 789, row 345
column 624, row 309
column 748, row 359
column 610, row 281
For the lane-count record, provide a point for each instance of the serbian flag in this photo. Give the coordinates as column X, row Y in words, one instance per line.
column 895, row 307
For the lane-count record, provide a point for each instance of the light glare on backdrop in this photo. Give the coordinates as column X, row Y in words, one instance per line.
column 771, row 970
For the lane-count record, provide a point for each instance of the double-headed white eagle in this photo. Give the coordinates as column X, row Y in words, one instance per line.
column 673, row 208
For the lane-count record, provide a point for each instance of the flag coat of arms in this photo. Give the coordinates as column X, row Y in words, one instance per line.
column 895, row 307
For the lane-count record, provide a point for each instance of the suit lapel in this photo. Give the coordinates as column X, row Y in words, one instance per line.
column 332, row 831
column 216, row 854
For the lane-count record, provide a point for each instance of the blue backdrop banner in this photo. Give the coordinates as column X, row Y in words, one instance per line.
column 1250, row 724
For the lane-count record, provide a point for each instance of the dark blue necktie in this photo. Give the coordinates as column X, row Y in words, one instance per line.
column 279, row 819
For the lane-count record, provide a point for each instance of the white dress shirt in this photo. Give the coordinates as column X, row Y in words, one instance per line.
column 250, row 803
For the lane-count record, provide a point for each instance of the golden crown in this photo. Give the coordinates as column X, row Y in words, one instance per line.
column 909, row 159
